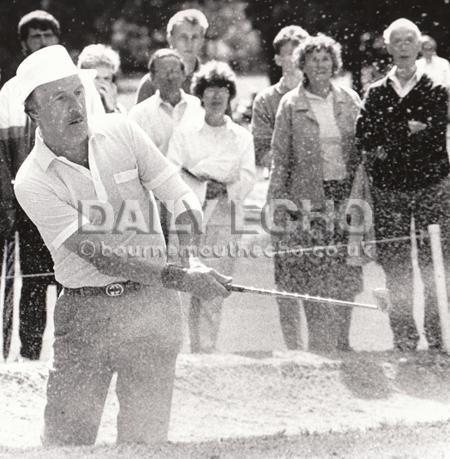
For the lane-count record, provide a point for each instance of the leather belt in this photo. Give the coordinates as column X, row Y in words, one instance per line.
column 113, row 289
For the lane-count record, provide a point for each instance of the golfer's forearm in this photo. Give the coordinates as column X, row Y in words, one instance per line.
column 128, row 267
column 91, row 248
column 131, row 268
column 173, row 277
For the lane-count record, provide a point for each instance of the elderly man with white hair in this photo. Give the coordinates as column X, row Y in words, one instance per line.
column 402, row 135
column 88, row 186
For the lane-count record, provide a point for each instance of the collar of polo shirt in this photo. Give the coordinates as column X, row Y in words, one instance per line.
column 163, row 102
column 417, row 74
column 46, row 156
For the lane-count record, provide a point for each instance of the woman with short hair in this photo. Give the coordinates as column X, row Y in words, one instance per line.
column 314, row 162
column 217, row 161
column 106, row 62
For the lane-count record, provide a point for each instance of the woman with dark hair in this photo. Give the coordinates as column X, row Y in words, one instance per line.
column 314, row 163
column 217, row 161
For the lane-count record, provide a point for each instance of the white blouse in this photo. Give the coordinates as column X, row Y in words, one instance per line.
column 333, row 164
column 223, row 153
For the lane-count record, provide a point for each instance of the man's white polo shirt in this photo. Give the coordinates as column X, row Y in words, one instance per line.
column 158, row 118
column 125, row 166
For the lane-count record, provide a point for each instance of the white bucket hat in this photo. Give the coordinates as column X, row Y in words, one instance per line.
column 43, row 66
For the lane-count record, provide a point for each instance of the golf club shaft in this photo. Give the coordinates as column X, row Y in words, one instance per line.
column 298, row 296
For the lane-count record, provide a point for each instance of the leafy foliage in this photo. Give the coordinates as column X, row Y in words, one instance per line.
column 241, row 32
column 135, row 27
column 356, row 24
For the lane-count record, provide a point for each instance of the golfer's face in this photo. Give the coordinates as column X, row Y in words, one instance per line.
column 61, row 109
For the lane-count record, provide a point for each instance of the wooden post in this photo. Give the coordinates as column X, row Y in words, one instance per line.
column 441, row 286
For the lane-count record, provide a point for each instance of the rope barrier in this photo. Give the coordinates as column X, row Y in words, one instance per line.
column 27, row 276
column 293, row 251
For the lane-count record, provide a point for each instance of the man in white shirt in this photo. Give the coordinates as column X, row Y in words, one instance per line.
column 436, row 67
column 88, row 186
column 170, row 106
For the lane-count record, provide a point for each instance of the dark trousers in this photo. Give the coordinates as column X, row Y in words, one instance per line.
column 34, row 259
column 164, row 218
column 322, row 273
column 289, row 310
column 328, row 326
column 7, row 248
column 392, row 215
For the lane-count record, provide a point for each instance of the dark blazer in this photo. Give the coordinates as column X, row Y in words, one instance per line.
column 413, row 161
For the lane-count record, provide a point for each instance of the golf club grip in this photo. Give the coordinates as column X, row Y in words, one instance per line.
column 235, row 288
column 256, row 291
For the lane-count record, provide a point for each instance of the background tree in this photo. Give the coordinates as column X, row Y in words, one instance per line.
column 356, row 24
column 135, row 27
column 241, row 31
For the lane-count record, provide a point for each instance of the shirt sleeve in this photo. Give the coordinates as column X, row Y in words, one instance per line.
column 4, row 107
column 178, row 155
column 369, row 133
column 55, row 219
column 447, row 75
column 7, row 200
column 159, row 175
column 248, row 168
column 262, row 128
column 145, row 89
column 175, row 151
column 13, row 141
column 135, row 114
column 435, row 133
column 281, row 150
column 140, row 117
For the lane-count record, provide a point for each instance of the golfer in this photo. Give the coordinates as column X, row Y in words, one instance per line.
column 89, row 188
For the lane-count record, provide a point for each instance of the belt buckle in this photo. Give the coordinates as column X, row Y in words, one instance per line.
column 115, row 289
